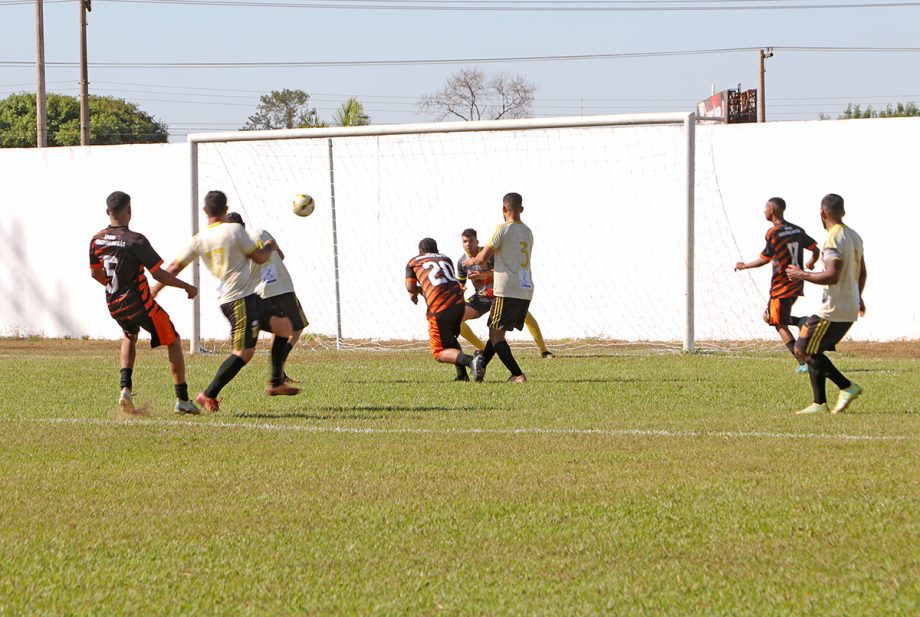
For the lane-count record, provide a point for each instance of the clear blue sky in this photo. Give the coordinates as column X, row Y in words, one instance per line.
column 799, row 85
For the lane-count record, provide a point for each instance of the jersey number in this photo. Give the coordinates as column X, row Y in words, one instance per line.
column 109, row 263
column 794, row 253
column 525, row 255
column 439, row 269
column 218, row 259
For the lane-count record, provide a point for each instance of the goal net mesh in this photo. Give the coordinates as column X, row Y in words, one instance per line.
column 606, row 206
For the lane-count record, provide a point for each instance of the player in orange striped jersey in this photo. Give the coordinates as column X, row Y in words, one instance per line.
column 117, row 259
column 431, row 274
column 786, row 245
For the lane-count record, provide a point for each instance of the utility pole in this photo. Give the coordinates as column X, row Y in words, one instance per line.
column 41, row 113
column 761, row 93
column 85, row 5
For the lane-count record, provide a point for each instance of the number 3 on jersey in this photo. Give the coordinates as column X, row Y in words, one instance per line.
column 525, row 255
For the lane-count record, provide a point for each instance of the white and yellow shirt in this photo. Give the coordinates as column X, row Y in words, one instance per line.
column 512, row 244
column 841, row 301
column 274, row 278
column 225, row 248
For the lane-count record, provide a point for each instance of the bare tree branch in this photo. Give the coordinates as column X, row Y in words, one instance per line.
column 468, row 95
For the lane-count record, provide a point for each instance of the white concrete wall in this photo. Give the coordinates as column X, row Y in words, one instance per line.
column 605, row 207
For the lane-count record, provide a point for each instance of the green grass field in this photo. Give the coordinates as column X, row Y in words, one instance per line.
column 659, row 484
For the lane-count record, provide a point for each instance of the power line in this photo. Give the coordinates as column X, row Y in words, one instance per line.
column 437, row 61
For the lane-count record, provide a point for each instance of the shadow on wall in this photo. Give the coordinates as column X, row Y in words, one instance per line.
column 27, row 305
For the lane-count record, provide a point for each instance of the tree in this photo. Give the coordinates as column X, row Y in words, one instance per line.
column 282, row 109
column 351, row 113
column 470, row 95
column 112, row 121
column 902, row 110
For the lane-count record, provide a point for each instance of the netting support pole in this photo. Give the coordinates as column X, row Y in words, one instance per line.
column 335, row 252
column 690, row 137
column 195, row 340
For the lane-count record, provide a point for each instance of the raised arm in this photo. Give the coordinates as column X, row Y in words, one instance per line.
column 164, row 277
column 829, row 276
column 485, row 253
column 760, row 261
column 172, row 269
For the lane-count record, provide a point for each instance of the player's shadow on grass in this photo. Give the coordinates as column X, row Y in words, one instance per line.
column 622, row 380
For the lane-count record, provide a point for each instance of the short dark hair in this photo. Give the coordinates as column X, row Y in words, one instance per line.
column 832, row 204
column 234, row 217
column 428, row 245
column 514, row 202
column 117, row 202
column 779, row 202
column 215, row 203
column 469, row 232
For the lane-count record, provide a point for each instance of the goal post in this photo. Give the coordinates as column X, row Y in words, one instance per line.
column 597, row 190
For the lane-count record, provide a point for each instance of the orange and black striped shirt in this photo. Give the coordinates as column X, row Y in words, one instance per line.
column 435, row 274
column 786, row 245
column 122, row 255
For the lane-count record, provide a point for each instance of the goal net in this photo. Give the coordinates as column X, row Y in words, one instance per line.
column 607, row 201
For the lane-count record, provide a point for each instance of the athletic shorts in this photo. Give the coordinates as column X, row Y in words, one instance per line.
column 508, row 313
column 819, row 335
column 155, row 321
column 444, row 328
column 289, row 306
column 779, row 311
column 480, row 304
column 247, row 316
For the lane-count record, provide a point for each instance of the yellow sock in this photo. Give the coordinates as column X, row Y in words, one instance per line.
column 534, row 328
column 469, row 335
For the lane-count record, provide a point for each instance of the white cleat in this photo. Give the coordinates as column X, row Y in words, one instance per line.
column 187, row 407
column 846, row 397
column 126, row 402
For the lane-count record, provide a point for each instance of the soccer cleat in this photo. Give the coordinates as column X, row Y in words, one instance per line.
column 548, row 355
column 479, row 367
column 281, row 390
column 463, row 377
column 517, row 379
column 126, row 402
column 847, row 396
column 183, row 407
column 209, row 404
column 802, row 369
column 813, row 408
column 289, row 379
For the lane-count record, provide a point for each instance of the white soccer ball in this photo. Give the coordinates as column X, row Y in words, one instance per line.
column 303, row 205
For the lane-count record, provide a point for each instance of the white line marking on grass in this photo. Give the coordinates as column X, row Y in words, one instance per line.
column 632, row 432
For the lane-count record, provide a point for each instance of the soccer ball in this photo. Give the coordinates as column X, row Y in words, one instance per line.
column 304, row 205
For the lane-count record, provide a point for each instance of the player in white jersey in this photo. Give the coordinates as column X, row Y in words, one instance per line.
column 511, row 244
column 843, row 278
column 227, row 251
column 275, row 284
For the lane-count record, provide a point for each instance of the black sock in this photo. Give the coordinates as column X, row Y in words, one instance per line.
column 126, row 378
column 504, row 354
column 791, row 347
column 824, row 364
column 288, row 351
column 181, row 391
column 280, row 349
column 225, row 373
column 488, row 352
column 462, row 375
column 463, row 360
column 818, row 379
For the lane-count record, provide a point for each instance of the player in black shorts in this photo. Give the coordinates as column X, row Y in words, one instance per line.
column 117, row 258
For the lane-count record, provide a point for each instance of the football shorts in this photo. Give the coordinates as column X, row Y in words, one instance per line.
column 819, row 335
column 508, row 313
column 247, row 316
column 155, row 321
column 444, row 328
column 289, row 306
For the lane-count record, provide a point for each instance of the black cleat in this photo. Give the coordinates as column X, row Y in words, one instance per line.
column 479, row 367
column 548, row 355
